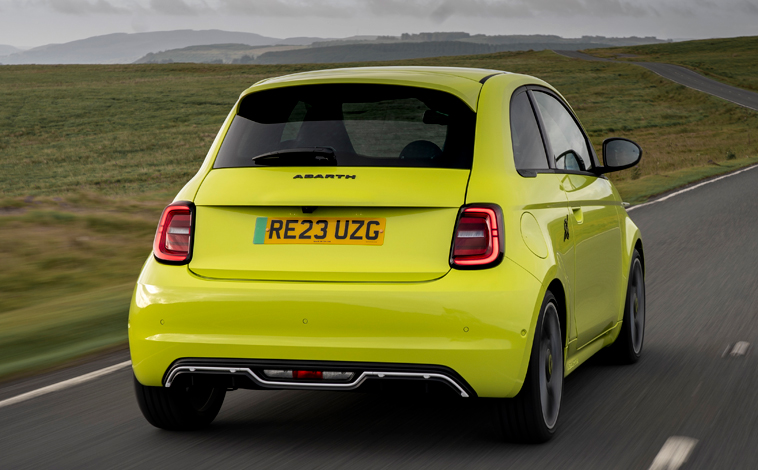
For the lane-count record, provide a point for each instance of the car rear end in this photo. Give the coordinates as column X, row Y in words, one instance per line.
column 331, row 245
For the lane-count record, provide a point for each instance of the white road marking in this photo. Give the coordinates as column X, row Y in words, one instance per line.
column 674, row 453
column 63, row 385
column 740, row 349
column 682, row 191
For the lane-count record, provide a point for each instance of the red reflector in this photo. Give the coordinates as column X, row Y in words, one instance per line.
column 307, row 374
column 173, row 240
column 477, row 241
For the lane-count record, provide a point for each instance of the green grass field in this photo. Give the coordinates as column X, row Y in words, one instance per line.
column 732, row 60
column 89, row 155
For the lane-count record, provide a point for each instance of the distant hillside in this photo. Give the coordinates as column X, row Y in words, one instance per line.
column 5, row 49
column 599, row 41
column 212, row 54
column 216, row 46
column 126, row 48
column 371, row 48
column 729, row 60
column 396, row 51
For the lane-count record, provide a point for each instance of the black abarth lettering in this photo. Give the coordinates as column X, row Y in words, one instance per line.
column 276, row 227
column 288, row 230
column 337, row 230
column 303, row 235
column 355, row 232
column 349, row 177
column 369, row 234
column 329, row 176
column 324, row 225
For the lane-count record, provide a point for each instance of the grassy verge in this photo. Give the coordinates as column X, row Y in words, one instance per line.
column 89, row 155
column 732, row 60
column 45, row 334
column 639, row 191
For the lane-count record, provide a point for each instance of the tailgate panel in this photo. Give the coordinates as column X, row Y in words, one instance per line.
column 416, row 246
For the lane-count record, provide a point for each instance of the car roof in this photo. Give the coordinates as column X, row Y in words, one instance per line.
column 466, row 83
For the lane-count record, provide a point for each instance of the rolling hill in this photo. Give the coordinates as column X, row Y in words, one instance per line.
column 123, row 48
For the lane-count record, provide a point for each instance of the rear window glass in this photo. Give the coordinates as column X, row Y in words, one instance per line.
column 363, row 125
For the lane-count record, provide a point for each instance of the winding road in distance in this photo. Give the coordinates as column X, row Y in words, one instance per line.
column 686, row 77
column 695, row 387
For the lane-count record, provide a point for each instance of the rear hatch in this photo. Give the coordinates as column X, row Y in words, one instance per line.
column 379, row 179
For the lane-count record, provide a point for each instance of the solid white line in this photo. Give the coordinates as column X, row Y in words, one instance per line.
column 63, row 385
column 682, row 191
column 674, row 453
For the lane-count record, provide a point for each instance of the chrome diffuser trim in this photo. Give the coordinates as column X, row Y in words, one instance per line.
column 310, row 385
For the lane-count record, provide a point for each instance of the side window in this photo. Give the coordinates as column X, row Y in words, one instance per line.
column 566, row 139
column 528, row 149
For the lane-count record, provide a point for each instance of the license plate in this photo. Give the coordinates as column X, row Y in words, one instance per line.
column 325, row 231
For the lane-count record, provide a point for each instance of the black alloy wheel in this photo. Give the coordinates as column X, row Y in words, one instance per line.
column 627, row 348
column 532, row 415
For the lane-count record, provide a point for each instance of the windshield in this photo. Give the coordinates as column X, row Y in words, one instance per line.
column 360, row 125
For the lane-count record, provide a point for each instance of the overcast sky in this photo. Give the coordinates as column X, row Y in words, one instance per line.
column 30, row 23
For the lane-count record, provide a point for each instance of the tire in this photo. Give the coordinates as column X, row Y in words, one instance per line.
column 182, row 407
column 627, row 348
column 532, row 415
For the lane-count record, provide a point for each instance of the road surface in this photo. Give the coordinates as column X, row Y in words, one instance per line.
column 701, row 248
column 686, row 77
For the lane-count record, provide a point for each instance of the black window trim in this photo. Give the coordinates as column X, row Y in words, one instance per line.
column 551, row 156
column 532, row 172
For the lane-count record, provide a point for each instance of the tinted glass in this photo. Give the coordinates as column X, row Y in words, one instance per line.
column 528, row 149
column 563, row 133
column 365, row 125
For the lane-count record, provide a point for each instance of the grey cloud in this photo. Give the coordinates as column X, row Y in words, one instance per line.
column 78, row 7
column 435, row 10
column 178, row 7
column 285, row 8
column 441, row 10
column 750, row 7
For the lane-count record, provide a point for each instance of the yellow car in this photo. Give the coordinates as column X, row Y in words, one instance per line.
column 417, row 229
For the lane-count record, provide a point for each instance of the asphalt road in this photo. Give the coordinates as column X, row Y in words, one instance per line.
column 702, row 266
column 686, row 77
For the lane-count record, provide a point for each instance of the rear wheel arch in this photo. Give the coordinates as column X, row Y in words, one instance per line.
column 638, row 247
column 556, row 287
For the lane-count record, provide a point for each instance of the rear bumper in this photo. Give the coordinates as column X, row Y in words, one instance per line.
column 479, row 324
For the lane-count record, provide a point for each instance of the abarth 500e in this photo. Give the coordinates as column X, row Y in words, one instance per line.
column 440, row 229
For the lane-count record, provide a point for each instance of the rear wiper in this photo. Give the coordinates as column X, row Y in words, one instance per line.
column 306, row 156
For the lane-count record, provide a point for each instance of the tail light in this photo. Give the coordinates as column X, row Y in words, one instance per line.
column 173, row 240
column 479, row 241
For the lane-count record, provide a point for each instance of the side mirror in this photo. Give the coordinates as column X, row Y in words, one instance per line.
column 619, row 154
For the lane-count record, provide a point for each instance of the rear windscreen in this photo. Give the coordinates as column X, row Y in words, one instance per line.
column 359, row 125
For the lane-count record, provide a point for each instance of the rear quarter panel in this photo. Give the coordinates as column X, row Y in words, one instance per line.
column 494, row 179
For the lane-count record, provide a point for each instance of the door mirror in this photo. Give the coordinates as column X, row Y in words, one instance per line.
column 619, row 154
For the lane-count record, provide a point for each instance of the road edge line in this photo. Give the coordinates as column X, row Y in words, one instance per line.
column 64, row 385
column 690, row 188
